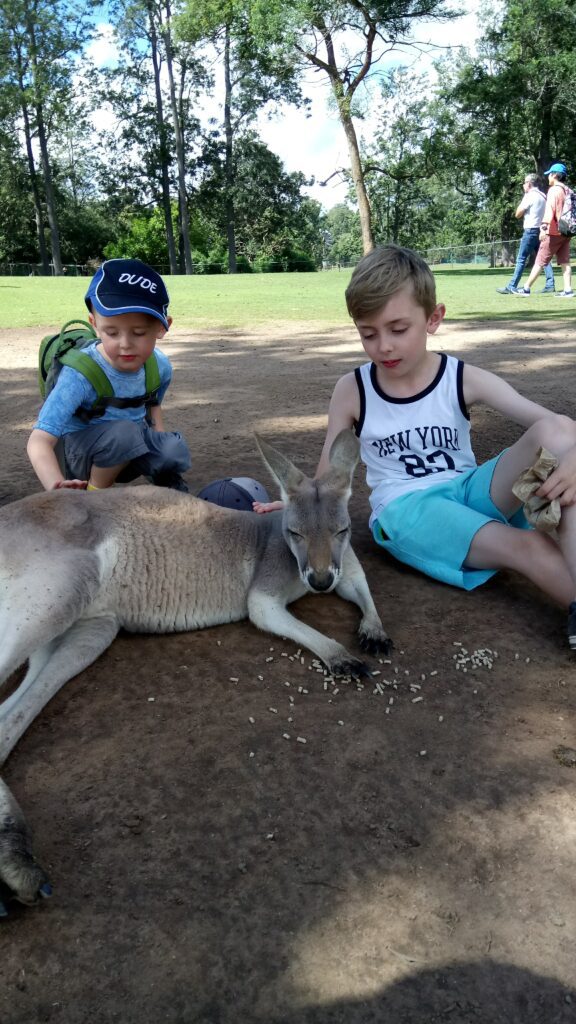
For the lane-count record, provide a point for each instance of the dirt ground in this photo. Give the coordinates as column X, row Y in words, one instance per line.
column 412, row 862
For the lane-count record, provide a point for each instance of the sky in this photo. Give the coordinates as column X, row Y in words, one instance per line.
column 316, row 144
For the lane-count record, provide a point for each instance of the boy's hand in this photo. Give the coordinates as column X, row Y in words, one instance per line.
column 561, row 483
column 267, row 506
column 73, row 485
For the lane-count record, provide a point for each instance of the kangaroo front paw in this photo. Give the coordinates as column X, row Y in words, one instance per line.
column 374, row 641
column 345, row 664
column 21, row 877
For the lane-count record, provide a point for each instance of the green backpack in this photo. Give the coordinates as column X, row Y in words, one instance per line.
column 65, row 349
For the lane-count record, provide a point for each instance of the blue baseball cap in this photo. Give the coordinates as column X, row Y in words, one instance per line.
column 557, row 169
column 128, row 286
column 236, row 492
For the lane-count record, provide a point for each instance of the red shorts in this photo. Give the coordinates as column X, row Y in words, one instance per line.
column 553, row 245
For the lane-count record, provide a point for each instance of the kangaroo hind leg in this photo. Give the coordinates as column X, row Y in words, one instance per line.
column 51, row 667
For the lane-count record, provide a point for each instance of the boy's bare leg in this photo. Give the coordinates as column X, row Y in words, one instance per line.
column 104, row 476
column 549, row 564
column 534, row 555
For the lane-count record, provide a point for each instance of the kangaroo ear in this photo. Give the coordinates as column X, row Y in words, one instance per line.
column 287, row 476
column 344, row 455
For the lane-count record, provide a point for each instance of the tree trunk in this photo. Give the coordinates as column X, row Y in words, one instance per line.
column 544, row 155
column 44, row 156
column 49, row 193
column 43, row 251
column 229, row 160
column 164, row 158
column 357, row 177
column 344, row 88
column 183, row 199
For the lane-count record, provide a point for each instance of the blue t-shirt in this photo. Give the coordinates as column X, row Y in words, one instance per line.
column 73, row 390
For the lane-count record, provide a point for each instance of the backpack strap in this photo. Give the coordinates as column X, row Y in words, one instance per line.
column 152, row 375
column 85, row 365
column 105, row 396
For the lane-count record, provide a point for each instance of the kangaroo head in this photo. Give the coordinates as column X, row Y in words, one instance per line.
column 316, row 524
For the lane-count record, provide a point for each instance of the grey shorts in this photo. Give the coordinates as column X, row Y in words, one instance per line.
column 113, row 442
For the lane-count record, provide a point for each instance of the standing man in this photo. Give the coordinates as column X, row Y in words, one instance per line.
column 552, row 242
column 531, row 208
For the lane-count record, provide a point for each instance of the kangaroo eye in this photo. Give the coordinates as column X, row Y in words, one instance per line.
column 295, row 535
column 343, row 533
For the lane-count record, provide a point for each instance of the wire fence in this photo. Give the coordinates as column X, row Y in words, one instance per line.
column 501, row 253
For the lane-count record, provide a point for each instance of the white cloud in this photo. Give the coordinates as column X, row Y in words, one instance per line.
column 102, row 50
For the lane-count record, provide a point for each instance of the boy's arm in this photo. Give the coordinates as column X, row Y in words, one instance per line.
column 41, row 453
column 343, row 412
column 483, row 386
column 156, row 417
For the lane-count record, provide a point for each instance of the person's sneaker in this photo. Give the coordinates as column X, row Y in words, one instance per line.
column 508, row 290
column 522, row 291
column 172, row 480
column 547, row 291
column 572, row 626
column 565, row 295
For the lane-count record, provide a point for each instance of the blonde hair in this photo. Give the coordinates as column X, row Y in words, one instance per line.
column 382, row 273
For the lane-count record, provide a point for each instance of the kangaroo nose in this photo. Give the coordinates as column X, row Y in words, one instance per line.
column 321, row 581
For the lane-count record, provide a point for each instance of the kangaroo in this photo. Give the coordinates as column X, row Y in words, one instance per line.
column 75, row 568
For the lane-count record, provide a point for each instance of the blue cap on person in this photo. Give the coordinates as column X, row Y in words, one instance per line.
column 128, row 286
column 236, row 492
column 557, row 169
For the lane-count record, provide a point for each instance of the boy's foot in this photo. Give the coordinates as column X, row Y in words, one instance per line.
column 565, row 295
column 547, row 291
column 172, row 480
column 523, row 291
column 508, row 290
column 572, row 626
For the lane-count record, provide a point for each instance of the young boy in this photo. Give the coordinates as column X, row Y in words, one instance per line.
column 432, row 506
column 128, row 307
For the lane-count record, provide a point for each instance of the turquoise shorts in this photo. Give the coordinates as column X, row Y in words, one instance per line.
column 432, row 529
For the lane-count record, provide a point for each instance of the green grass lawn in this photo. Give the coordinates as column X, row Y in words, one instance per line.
column 238, row 301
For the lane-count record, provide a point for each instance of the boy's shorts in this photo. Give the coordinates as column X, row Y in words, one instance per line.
column 553, row 245
column 113, row 442
column 432, row 529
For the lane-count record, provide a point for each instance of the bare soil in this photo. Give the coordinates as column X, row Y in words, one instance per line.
column 412, row 862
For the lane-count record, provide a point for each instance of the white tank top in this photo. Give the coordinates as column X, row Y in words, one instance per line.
column 413, row 443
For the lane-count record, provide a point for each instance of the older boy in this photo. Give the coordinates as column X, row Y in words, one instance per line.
column 552, row 242
column 531, row 209
column 128, row 305
column 432, row 506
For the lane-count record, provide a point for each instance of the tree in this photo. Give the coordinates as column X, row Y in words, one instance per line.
column 269, row 207
column 38, row 39
column 152, row 92
column 346, row 40
column 511, row 109
column 255, row 73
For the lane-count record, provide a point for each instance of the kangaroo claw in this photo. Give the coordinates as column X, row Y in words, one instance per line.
column 375, row 644
column 349, row 666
